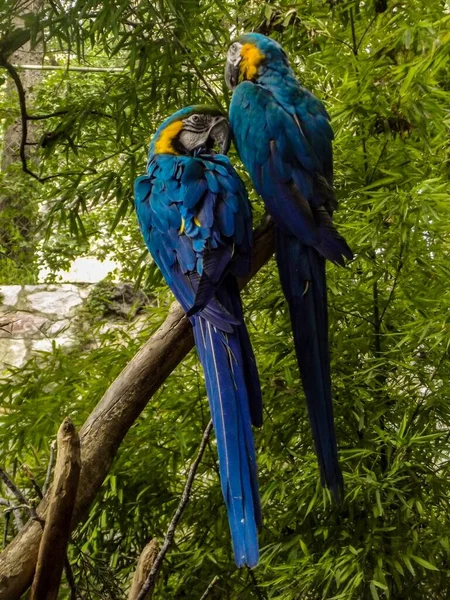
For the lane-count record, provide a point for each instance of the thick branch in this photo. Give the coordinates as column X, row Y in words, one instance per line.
column 105, row 428
column 53, row 547
column 15, row 40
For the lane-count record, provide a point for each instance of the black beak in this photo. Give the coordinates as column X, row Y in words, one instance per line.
column 231, row 75
column 220, row 132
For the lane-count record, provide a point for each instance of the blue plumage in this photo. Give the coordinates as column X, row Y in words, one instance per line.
column 195, row 217
column 283, row 136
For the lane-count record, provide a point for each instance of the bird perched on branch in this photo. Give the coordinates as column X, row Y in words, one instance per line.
column 195, row 217
column 283, row 136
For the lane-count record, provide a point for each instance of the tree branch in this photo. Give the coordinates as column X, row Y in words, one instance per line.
column 17, row 493
column 151, row 577
column 213, row 582
column 105, row 428
column 48, row 475
column 23, row 117
column 53, row 547
column 144, row 565
column 66, row 68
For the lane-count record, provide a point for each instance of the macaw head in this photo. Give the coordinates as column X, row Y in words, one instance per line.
column 249, row 55
column 190, row 129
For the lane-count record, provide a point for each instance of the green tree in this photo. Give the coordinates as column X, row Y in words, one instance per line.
column 384, row 77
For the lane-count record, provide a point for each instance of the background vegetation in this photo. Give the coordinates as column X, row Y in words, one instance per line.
column 382, row 70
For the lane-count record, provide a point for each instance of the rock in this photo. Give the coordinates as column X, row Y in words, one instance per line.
column 18, row 324
column 9, row 294
column 58, row 327
column 54, row 300
column 120, row 300
column 46, row 345
column 12, row 353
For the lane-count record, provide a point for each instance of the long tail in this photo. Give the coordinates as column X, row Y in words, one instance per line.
column 229, row 394
column 302, row 275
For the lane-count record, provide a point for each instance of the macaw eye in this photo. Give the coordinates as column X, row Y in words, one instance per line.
column 233, row 48
column 195, row 118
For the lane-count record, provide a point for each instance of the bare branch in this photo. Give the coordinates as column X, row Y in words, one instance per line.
column 23, row 117
column 53, row 547
column 66, row 68
column 59, row 113
column 34, row 483
column 151, row 578
column 213, row 582
column 256, row 587
column 17, row 493
column 51, row 462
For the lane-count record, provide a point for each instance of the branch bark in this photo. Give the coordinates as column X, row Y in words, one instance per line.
column 53, row 547
column 105, row 428
column 143, row 568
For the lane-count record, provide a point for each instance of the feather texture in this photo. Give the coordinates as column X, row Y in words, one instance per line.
column 283, row 136
column 195, row 217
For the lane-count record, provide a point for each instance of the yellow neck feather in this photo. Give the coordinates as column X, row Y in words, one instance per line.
column 163, row 144
column 251, row 59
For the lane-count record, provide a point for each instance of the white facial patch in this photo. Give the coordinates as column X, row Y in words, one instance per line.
column 193, row 139
column 234, row 54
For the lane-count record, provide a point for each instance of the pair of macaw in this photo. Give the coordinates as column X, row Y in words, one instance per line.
column 195, row 217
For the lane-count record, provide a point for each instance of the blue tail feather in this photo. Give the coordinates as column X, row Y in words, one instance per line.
column 231, row 300
column 302, row 275
column 222, row 359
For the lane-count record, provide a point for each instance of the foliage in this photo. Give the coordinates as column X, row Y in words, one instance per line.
column 384, row 78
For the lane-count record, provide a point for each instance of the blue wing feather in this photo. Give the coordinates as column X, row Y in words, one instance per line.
column 195, row 218
column 283, row 136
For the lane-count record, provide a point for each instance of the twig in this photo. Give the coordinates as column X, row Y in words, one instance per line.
column 70, row 579
column 12, row 507
column 258, row 591
column 51, row 462
column 65, row 68
column 365, row 31
column 15, row 509
column 34, row 483
column 17, row 493
column 214, row 580
column 150, row 581
column 59, row 113
column 394, row 285
column 5, row 529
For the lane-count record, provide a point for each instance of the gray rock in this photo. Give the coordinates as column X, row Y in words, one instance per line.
column 9, row 294
column 19, row 324
column 60, row 301
column 12, row 353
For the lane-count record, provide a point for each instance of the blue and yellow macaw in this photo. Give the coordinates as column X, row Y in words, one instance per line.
column 195, row 217
column 283, row 136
